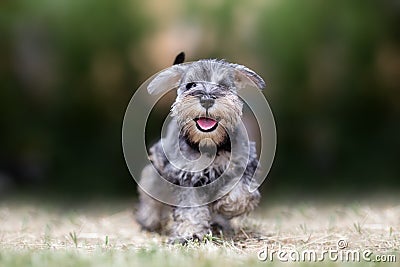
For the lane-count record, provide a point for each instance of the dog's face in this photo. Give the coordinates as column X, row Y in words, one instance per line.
column 207, row 106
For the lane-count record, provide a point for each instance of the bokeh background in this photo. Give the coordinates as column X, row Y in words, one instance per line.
column 68, row 69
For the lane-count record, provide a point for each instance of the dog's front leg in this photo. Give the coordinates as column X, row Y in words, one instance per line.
column 190, row 224
column 240, row 200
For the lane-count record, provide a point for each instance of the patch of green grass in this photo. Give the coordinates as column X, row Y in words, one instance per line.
column 74, row 238
column 202, row 256
column 35, row 235
column 357, row 227
column 106, row 241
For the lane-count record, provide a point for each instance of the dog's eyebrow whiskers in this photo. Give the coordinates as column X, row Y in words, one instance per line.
column 205, row 82
column 196, row 92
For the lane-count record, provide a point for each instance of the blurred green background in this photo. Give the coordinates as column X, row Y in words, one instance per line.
column 68, row 69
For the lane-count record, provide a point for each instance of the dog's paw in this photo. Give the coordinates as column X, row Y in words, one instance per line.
column 184, row 240
column 218, row 229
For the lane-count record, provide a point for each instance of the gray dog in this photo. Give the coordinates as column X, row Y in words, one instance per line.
column 206, row 119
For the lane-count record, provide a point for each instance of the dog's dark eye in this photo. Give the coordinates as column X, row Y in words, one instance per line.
column 190, row 85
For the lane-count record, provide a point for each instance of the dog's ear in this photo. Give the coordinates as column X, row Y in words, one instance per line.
column 180, row 58
column 166, row 80
column 245, row 76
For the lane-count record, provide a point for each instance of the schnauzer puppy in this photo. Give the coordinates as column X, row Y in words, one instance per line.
column 206, row 115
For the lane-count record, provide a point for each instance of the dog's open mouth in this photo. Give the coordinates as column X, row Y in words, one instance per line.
column 206, row 124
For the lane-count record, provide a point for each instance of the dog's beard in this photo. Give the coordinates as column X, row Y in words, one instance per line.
column 226, row 112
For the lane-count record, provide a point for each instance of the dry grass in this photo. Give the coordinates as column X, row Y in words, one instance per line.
column 110, row 232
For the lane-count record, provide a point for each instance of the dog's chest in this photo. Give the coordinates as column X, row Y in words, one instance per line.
column 199, row 177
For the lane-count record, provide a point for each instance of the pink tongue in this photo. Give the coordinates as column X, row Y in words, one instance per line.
column 206, row 123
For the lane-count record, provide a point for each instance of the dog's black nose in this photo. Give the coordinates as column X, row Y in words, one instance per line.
column 206, row 101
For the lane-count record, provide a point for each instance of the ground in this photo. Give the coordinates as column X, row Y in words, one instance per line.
column 44, row 233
